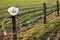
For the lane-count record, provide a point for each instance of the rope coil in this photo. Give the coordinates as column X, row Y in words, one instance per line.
column 3, row 25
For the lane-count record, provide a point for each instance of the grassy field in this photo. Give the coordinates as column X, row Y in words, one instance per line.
column 40, row 31
column 34, row 30
column 21, row 4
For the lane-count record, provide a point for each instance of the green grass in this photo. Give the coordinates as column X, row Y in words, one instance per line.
column 31, row 4
column 39, row 30
column 28, row 17
column 24, row 3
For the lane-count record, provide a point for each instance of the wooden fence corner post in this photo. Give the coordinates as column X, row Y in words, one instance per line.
column 14, row 27
column 57, row 8
column 44, row 11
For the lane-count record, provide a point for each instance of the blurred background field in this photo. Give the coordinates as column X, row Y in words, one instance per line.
column 32, row 31
column 24, row 5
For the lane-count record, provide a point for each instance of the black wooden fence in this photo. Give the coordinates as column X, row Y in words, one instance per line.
column 45, row 7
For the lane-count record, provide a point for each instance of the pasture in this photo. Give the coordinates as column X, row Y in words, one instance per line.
column 24, row 2
column 23, row 5
column 31, row 31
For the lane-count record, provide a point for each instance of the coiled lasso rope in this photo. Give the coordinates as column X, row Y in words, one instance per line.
column 3, row 25
column 4, row 21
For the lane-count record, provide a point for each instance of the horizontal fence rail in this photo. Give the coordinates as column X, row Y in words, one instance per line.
column 32, row 21
column 29, row 12
column 51, row 12
column 51, row 6
column 28, row 8
column 36, row 19
column 24, row 8
column 35, row 10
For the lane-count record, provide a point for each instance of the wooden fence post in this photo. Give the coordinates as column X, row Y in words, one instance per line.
column 44, row 11
column 14, row 27
column 57, row 8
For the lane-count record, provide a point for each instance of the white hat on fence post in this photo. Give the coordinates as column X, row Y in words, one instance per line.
column 13, row 10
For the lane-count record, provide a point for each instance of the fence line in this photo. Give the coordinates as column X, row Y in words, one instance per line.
column 29, row 12
column 43, row 16
column 32, row 21
column 51, row 6
column 36, row 19
column 45, row 7
column 35, row 10
column 30, row 8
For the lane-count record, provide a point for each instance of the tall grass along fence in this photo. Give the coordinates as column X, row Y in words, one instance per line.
column 45, row 13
